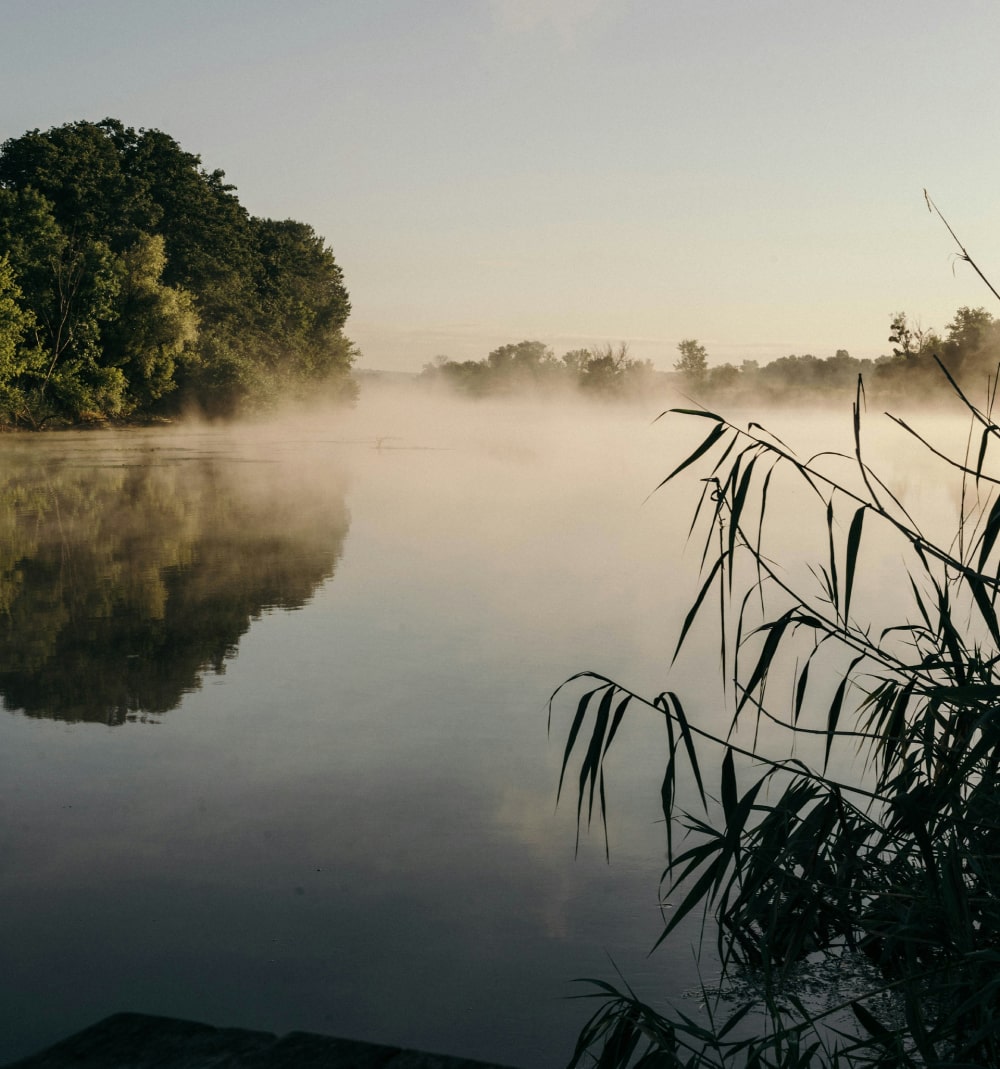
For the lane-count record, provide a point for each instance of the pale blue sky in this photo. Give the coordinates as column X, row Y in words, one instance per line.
column 745, row 172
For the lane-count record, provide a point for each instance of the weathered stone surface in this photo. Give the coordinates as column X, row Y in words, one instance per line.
column 141, row 1041
column 306, row 1050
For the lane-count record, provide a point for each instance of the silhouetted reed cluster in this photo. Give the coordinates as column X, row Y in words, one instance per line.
column 888, row 872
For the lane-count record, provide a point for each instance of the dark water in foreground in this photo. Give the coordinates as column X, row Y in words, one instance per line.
column 274, row 747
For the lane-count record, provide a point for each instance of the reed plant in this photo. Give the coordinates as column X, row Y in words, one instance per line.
column 887, row 867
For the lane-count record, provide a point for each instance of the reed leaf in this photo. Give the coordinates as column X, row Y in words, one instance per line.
column 710, row 439
column 989, row 536
column 984, row 604
column 906, row 875
column 853, row 545
column 775, row 632
column 836, row 708
column 984, row 442
column 832, row 585
column 693, row 611
column 672, row 702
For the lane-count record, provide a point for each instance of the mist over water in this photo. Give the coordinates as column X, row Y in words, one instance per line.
column 274, row 751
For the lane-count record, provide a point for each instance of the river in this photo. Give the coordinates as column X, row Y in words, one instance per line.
column 274, row 750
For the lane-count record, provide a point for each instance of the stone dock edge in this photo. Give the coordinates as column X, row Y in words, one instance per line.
column 142, row 1041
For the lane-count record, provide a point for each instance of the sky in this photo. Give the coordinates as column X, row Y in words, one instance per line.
column 748, row 173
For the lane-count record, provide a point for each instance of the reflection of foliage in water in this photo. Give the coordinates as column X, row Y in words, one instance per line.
column 121, row 583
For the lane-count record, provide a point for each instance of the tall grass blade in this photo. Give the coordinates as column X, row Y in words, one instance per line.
column 984, row 604
column 775, row 631
column 693, row 611
column 590, row 768
column 710, row 439
column 736, row 512
column 728, row 785
column 984, row 442
column 836, row 707
column 904, row 877
column 688, row 739
column 833, row 585
column 574, row 731
column 853, row 544
column 990, row 533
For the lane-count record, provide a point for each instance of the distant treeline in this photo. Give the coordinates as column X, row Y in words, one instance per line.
column 970, row 350
column 134, row 283
column 532, row 366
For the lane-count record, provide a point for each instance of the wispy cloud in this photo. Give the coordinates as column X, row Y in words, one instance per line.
column 569, row 21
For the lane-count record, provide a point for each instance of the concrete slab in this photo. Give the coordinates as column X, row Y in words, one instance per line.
column 142, row 1041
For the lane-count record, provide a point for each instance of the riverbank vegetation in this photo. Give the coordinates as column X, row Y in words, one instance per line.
column 852, row 872
column 133, row 283
column 532, row 367
column 867, row 851
column 969, row 350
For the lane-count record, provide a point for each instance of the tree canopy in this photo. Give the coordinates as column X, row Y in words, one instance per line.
column 969, row 351
column 693, row 364
column 605, row 371
column 133, row 283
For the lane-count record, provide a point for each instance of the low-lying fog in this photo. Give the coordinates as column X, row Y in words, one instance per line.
column 275, row 748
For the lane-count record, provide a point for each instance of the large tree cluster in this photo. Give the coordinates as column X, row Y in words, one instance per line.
column 133, row 282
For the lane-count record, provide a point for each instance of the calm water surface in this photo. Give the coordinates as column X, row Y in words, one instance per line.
column 273, row 745
column 273, row 750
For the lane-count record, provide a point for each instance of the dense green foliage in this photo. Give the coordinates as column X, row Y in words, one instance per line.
column 885, row 870
column 604, row 371
column 133, row 282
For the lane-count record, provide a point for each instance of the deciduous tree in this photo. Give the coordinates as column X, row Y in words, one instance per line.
column 118, row 237
column 693, row 364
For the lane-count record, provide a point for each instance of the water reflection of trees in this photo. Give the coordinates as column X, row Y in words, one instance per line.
column 124, row 578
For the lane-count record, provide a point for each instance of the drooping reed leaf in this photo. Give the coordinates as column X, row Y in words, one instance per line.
column 701, row 412
column 736, row 511
column 853, row 545
column 710, row 439
column 693, row 611
column 728, row 785
column 836, row 708
column 990, row 534
column 590, row 767
column 688, row 739
column 800, row 691
column 833, row 584
column 984, row 604
column 581, row 713
column 908, row 872
column 871, row 1023
column 984, row 442
column 774, row 631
